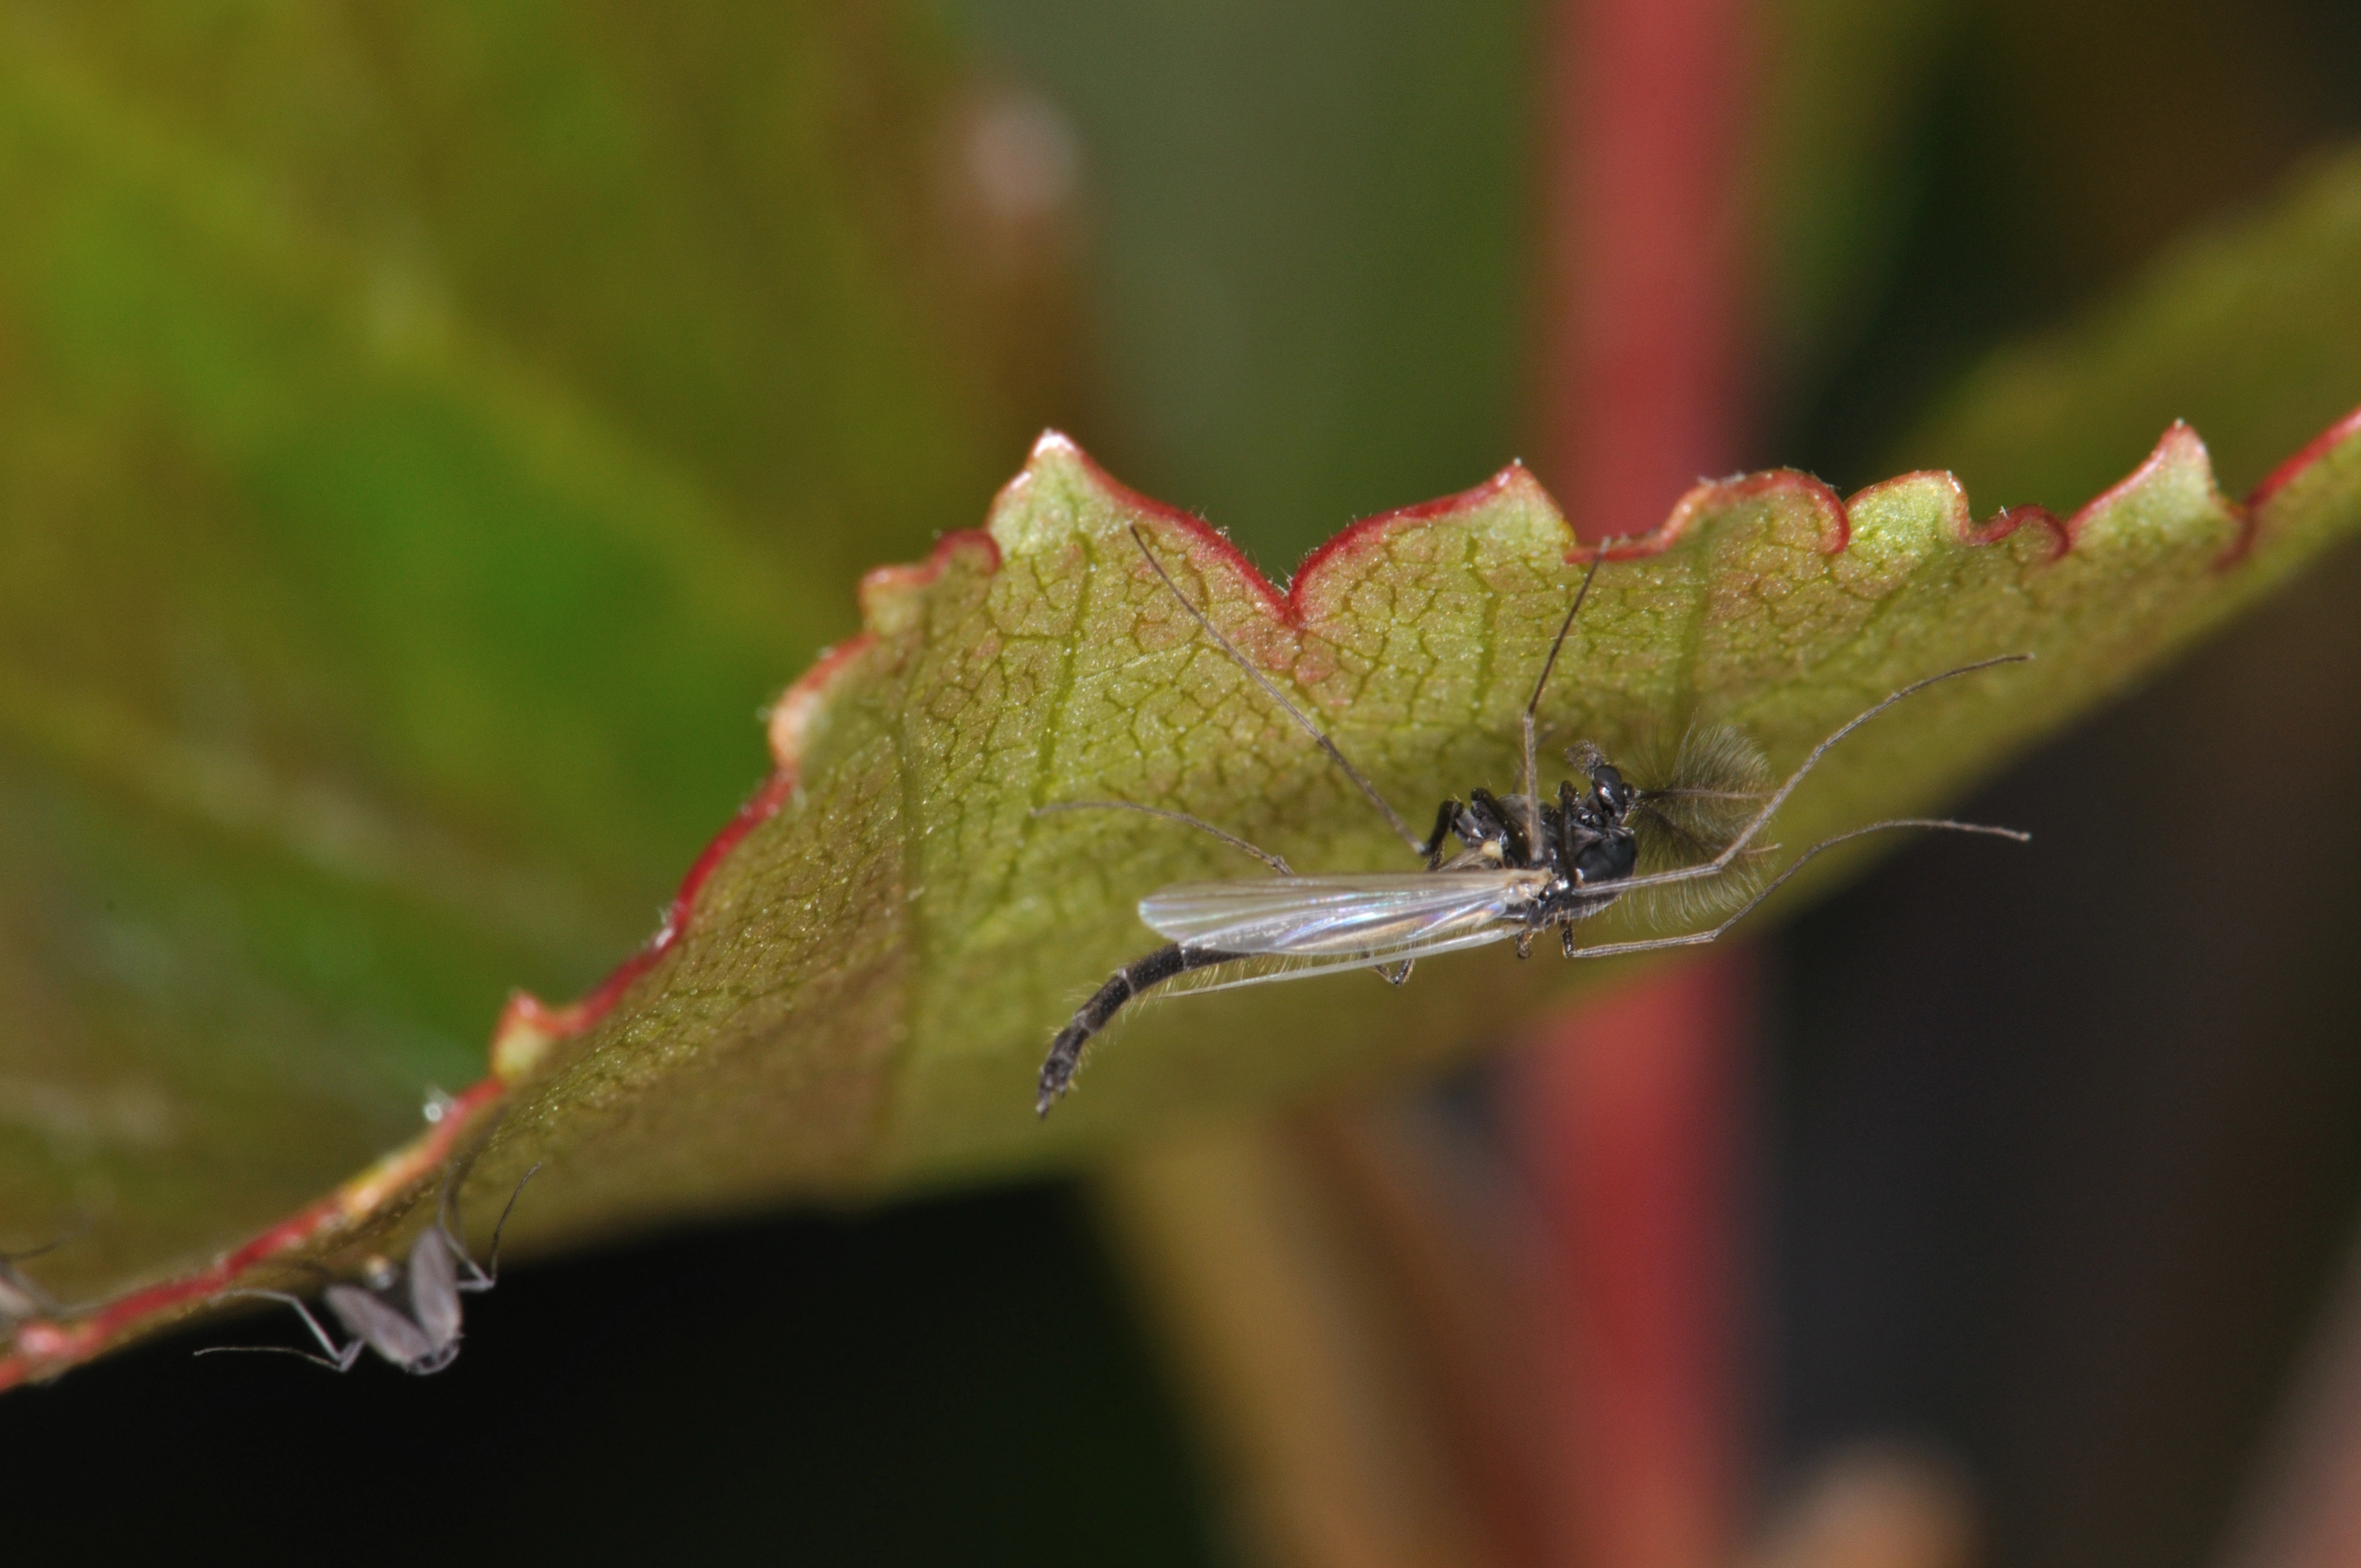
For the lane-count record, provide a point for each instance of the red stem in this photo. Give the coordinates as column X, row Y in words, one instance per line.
column 1638, row 393
column 1626, row 1114
column 1630, row 1115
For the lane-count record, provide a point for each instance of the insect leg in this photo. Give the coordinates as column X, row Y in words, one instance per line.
column 1393, row 818
column 1755, row 824
column 1446, row 816
column 340, row 1358
column 1699, row 938
column 1232, row 839
column 485, row 1277
column 19, row 1297
column 1066, row 1051
column 1779, row 796
column 1395, row 974
column 1496, row 822
column 1531, row 782
column 491, row 1270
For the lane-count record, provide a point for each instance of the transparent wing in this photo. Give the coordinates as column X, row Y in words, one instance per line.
column 386, row 1332
column 435, row 1289
column 1359, row 917
column 1264, row 971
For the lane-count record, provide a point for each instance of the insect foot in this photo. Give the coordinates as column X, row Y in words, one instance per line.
column 408, row 1313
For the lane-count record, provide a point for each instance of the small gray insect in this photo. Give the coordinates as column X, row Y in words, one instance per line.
column 418, row 1330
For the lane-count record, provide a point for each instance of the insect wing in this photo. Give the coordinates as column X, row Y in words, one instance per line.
column 1338, row 917
column 379, row 1326
column 435, row 1289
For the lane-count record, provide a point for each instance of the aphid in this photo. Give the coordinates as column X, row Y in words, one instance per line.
column 1524, row 866
column 417, row 1329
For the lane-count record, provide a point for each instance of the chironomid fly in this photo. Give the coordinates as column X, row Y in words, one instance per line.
column 1525, row 865
column 410, row 1313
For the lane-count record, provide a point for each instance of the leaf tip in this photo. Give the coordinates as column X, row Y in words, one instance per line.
column 892, row 598
column 2008, row 519
column 788, row 724
column 1053, row 452
column 1053, row 443
column 521, row 1039
column 1054, row 455
column 1708, row 498
column 1513, row 482
column 2178, row 461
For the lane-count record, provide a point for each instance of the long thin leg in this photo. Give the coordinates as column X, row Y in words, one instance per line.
column 1066, row 1051
column 1648, row 795
column 1699, row 938
column 1393, row 818
column 1532, row 780
column 1232, row 839
column 341, row 1364
column 19, row 1297
column 447, row 1201
column 44, row 1249
column 488, row 1275
column 340, row 1358
column 1755, row 824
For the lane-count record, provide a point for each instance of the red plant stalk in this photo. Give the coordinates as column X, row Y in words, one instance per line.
column 1640, row 391
column 1628, row 1113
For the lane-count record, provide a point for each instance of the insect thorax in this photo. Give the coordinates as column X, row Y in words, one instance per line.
column 1582, row 839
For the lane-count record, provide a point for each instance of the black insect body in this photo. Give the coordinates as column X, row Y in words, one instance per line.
column 1525, row 864
column 409, row 1315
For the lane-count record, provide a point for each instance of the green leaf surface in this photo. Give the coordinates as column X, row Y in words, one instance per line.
column 438, row 660
column 856, row 988
column 426, row 435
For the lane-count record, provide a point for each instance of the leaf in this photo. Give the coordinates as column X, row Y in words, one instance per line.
column 384, row 605
column 855, row 988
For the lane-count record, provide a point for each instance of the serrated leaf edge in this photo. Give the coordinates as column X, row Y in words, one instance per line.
column 529, row 1029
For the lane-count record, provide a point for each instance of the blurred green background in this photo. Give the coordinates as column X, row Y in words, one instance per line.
column 429, row 434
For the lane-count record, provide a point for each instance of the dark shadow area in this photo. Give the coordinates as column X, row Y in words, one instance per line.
column 956, row 1381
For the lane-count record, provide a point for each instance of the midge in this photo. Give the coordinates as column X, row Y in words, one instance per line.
column 1524, row 865
column 408, row 1315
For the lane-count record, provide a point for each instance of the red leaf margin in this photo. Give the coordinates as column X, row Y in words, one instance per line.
column 528, row 1028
